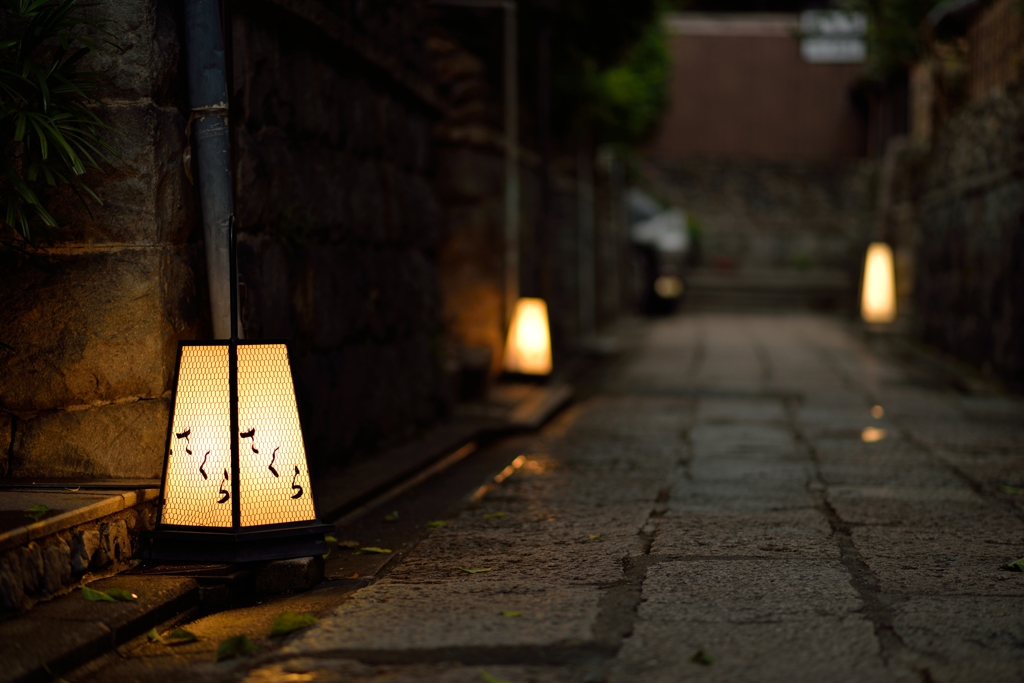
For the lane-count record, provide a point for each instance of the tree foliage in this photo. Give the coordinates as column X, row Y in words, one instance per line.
column 610, row 68
column 49, row 133
column 896, row 38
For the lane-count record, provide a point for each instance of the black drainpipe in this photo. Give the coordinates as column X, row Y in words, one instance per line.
column 208, row 120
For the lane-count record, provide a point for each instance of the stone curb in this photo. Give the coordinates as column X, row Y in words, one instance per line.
column 115, row 503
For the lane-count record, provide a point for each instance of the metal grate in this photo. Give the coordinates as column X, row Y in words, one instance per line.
column 271, row 455
column 197, row 491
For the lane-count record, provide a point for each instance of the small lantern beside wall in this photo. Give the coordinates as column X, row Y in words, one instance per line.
column 236, row 484
column 878, row 294
column 528, row 348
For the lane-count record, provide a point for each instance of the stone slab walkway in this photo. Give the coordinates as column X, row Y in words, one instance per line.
column 752, row 498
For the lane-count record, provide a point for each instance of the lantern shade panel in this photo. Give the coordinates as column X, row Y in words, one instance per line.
column 528, row 349
column 197, row 486
column 274, row 479
column 236, row 482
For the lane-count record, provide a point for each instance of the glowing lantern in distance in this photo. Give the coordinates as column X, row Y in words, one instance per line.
column 878, row 295
column 528, row 349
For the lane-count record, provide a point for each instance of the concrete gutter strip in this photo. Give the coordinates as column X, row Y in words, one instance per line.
column 88, row 513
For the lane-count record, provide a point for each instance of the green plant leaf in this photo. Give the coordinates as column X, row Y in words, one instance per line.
column 510, row 613
column 154, row 637
column 180, row 636
column 488, row 678
column 290, row 621
column 436, row 523
column 36, row 512
column 494, row 515
column 1015, row 566
column 474, row 571
column 122, row 594
column 702, row 658
column 95, row 595
column 331, row 540
column 373, row 550
column 391, row 516
column 235, row 646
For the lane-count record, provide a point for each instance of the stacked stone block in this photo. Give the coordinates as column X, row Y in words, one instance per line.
column 91, row 321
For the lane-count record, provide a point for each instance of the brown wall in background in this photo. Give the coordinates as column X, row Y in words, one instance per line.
column 740, row 90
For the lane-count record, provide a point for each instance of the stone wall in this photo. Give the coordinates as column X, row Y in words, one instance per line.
column 761, row 215
column 970, row 267
column 339, row 222
column 332, row 108
column 92, row 320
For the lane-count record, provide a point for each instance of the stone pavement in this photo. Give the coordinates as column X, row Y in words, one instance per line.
column 718, row 511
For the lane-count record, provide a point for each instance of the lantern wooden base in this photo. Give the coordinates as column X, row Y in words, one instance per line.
column 253, row 544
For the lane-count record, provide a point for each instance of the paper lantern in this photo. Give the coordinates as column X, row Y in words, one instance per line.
column 236, row 484
column 528, row 348
column 878, row 296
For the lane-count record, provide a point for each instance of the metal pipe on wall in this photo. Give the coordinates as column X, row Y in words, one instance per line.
column 208, row 121
column 511, row 161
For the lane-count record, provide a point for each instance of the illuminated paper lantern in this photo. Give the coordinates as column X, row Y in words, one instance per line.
column 236, row 484
column 528, row 348
column 878, row 296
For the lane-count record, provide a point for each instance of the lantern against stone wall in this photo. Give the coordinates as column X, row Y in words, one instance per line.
column 236, row 485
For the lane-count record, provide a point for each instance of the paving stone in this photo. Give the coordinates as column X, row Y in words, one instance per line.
column 740, row 496
column 747, row 590
column 803, row 533
column 965, row 638
column 746, row 411
column 811, row 649
column 903, row 505
column 944, row 559
column 461, row 612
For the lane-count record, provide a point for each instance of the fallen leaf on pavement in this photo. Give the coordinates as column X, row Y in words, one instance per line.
column 153, row 636
column 436, row 523
column 1015, row 566
column 391, row 516
column 180, row 636
column 701, row 657
column 121, row 594
column 235, row 646
column 354, row 576
column 331, row 539
column 373, row 550
column 348, row 544
column 494, row 515
column 593, row 537
column 1012, row 490
column 327, row 554
column 290, row 621
column 474, row 571
column 36, row 512
column 510, row 613
column 95, row 595
column 488, row 678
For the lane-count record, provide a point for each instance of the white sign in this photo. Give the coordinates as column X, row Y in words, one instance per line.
column 833, row 37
